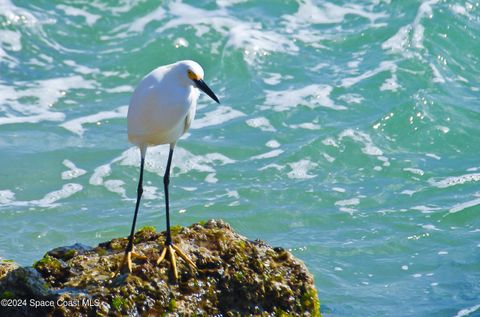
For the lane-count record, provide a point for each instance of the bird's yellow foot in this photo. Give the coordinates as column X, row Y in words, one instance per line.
column 127, row 261
column 171, row 249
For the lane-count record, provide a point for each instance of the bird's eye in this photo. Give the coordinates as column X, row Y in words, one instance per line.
column 192, row 75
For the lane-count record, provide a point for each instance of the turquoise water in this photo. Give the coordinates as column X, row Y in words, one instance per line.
column 348, row 133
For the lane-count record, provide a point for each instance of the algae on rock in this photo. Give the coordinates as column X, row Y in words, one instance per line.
column 235, row 277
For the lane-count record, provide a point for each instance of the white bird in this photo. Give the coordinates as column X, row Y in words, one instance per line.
column 161, row 110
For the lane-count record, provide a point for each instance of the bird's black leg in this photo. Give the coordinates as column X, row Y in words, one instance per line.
column 166, row 182
column 129, row 253
column 137, row 205
column 170, row 248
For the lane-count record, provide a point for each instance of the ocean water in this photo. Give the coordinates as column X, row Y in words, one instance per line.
column 348, row 133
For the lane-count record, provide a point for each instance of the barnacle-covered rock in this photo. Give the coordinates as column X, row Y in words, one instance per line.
column 234, row 277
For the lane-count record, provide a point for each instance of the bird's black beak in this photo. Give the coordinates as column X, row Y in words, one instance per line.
column 203, row 87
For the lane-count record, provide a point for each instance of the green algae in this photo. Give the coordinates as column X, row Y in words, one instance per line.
column 118, row 303
column 175, row 229
column 70, row 254
column 148, row 228
column 7, row 295
column 47, row 263
column 101, row 251
column 310, row 302
column 172, row 305
column 7, row 261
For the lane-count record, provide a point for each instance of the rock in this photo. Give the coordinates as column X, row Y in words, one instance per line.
column 235, row 277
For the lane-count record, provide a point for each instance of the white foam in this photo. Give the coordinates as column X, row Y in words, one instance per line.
column 119, row 89
column 273, row 144
column 437, row 76
column 15, row 15
column 410, row 35
column 330, row 142
column 305, row 125
column 434, row 156
column 73, row 171
column 310, row 37
column 76, row 125
column 233, row 194
column 430, row 227
column 273, row 153
column 426, row 209
column 391, row 83
column 369, row 148
column 242, row 34
column 99, row 174
column 462, row 206
column 354, row 63
column 227, row 3
column 150, row 193
column 329, row 13
column 455, row 180
column 6, row 197
column 210, row 178
column 467, row 311
column 272, row 79
column 312, row 96
column 329, row 158
column 262, row 123
column 351, row 98
column 408, row 192
column 385, row 66
column 41, row 95
column 51, row 198
column 140, row 22
column 299, row 25
column 348, row 202
column 347, row 210
column 273, row 165
column 189, row 189
column 399, row 41
column 84, row 70
column 116, row 186
column 180, row 42
column 301, row 169
column 11, row 40
column 47, row 116
column 119, row 8
column 443, row 129
column 415, row 171
column 156, row 158
column 258, row 42
column 220, row 115
column 320, row 66
column 458, row 9
column 90, row 18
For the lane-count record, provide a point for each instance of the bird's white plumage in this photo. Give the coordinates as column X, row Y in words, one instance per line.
column 161, row 110
column 163, row 105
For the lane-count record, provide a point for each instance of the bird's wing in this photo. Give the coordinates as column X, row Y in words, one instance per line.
column 189, row 118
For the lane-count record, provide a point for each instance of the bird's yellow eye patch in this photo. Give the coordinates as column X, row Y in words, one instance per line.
column 192, row 75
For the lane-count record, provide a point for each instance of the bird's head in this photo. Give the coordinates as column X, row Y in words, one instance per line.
column 191, row 73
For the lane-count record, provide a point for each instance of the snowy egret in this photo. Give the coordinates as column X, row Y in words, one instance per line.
column 161, row 110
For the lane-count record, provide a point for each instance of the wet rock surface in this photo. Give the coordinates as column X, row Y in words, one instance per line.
column 235, row 277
